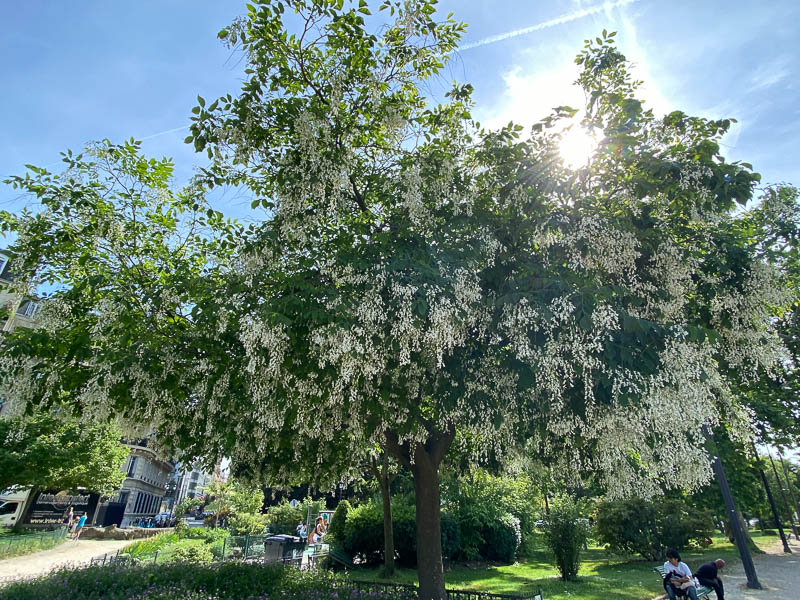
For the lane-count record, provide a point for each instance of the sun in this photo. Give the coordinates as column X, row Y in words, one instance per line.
column 576, row 147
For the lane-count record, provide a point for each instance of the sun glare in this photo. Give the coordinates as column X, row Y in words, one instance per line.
column 576, row 147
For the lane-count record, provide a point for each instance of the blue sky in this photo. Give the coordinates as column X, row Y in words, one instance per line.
column 73, row 72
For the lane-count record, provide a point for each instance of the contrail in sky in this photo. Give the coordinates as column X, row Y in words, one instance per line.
column 573, row 16
column 160, row 133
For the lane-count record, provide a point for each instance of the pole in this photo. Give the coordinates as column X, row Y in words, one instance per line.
column 771, row 501
column 736, row 526
column 789, row 484
column 783, row 495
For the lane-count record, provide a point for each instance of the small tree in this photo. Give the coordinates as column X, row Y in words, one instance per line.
column 565, row 536
column 47, row 450
column 188, row 505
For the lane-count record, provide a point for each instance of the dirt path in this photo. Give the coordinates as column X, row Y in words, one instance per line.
column 68, row 553
column 779, row 573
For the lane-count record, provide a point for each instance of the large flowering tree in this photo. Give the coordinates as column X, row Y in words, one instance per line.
column 415, row 281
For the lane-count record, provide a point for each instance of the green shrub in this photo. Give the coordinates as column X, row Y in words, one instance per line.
column 203, row 533
column 187, row 581
column 217, row 549
column 186, row 505
column 248, row 524
column 481, row 502
column 192, row 554
column 637, row 526
column 502, row 539
column 150, row 545
column 336, row 527
column 283, row 518
column 565, row 536
column 404, row 526
column 363, row 532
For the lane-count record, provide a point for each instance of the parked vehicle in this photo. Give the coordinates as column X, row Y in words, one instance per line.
column 11, row 505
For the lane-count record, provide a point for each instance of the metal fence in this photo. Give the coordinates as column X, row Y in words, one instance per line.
column 403, row 590
column 16, row 545
column 245, row 547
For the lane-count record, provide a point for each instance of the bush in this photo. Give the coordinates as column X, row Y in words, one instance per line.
column 188, row 581
column 202, row 533
column 363, row 532
column 150, row 545
column 192, row 554
column 187, row 505
column 217, row 548
column 565, row 535
column 502, row 539
column 336, row 527
column 404, row 526
column 248, row 524
column 283, row 518
column 637, row 526
column 482, row 503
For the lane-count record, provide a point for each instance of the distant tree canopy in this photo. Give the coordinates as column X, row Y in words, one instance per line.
column 49, row 452
column 414, row 281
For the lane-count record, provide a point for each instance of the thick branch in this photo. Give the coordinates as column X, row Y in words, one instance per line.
column 401, row 452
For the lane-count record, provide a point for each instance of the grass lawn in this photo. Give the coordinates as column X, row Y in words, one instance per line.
column 601, row 576
column 18, row 543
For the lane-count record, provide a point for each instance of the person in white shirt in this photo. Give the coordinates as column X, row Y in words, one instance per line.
column 677, row 574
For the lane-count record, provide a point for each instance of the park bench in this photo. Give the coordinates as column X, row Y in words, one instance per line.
column 702, row 591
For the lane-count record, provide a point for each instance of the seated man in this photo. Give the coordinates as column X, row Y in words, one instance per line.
column 708, row 575
column 678, row 577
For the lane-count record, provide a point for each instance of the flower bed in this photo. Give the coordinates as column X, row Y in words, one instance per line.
column 221, row 581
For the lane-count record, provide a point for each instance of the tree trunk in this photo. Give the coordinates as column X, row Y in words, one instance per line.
column 429, row 529
column 789, row 485
column 783, row 496
column 732, row 513
column 388, row 530
column 771, row 501
column 425, row 471
column 384, row 481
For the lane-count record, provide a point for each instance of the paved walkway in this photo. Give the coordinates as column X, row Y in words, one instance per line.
column 779, row 573
column 67, row 553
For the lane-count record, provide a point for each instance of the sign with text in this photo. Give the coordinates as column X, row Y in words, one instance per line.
column 48, row 507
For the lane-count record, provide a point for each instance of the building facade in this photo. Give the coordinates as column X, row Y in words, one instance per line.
column 15, row 310
column 145, row 485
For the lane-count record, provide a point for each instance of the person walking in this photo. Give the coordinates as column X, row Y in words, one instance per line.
column 68, row 517
column 79, row 527
column 708, row 575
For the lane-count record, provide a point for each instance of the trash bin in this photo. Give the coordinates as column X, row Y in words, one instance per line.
column 283, row 548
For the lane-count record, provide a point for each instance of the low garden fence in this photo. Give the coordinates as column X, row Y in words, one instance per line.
column 16, row 545
column 252, row 548
column 404, row 590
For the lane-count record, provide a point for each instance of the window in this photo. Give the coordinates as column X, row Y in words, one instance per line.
column 3, row 263
column 8, row 508
column 28, row 309
column 132, row 466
